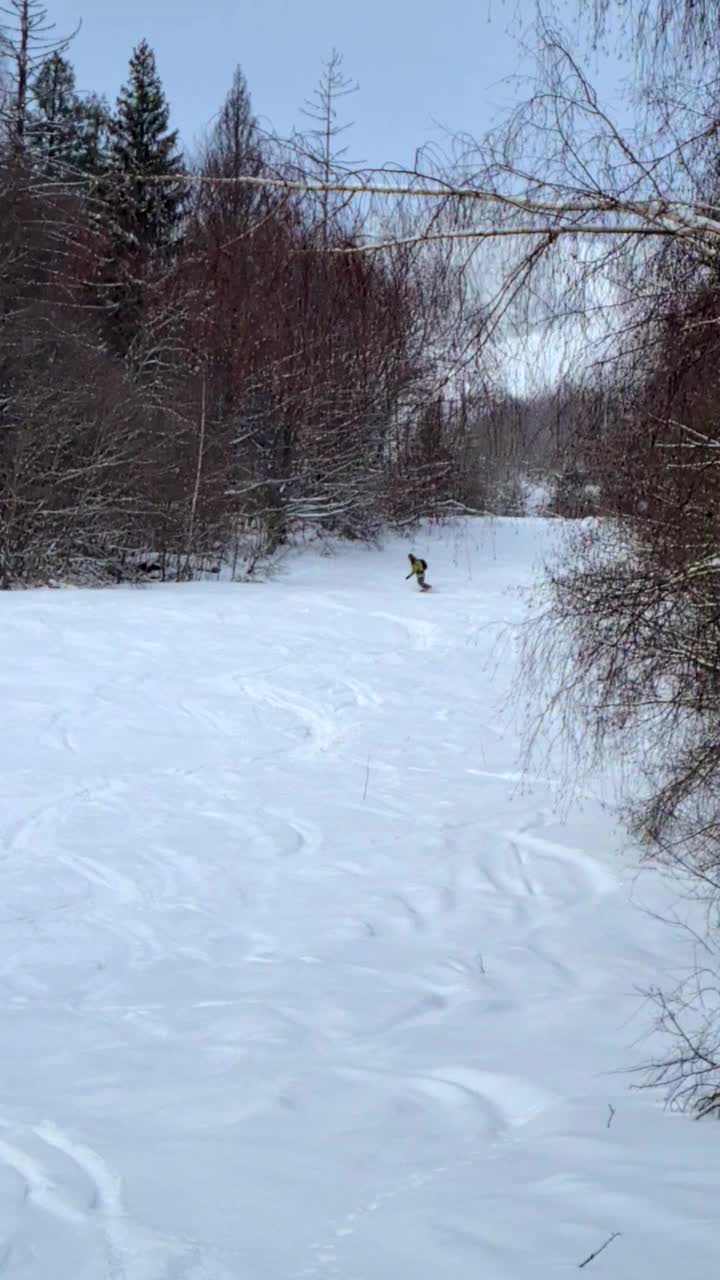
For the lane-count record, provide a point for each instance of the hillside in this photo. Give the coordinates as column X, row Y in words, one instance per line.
column 300, row 977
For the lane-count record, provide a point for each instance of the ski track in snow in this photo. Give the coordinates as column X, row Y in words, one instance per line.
column 37, row 1186
column 319, row 725
column 423, row 635
column 303, row 978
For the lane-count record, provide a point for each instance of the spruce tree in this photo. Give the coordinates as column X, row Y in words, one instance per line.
column 147, row 213
column 92, row 135
column 52, row 113
column 65, row 134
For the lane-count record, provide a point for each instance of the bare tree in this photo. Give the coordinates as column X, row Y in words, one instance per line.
column 320, row 148
column 27, row 40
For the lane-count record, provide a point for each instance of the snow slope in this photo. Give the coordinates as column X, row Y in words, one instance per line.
column 297, row 981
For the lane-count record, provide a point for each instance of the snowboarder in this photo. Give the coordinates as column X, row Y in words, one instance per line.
column 418, row 569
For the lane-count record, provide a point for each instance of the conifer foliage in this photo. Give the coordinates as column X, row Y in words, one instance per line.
column 67, row 134
column 144, row 160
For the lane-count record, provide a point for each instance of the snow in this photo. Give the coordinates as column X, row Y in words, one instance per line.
column 301, row 978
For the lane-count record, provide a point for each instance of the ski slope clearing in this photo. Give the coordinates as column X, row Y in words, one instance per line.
column 300, row 979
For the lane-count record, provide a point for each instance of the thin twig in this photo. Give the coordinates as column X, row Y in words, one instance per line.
column 198, row 474
column 367, row 778
column 609, row 1240
column 611, row 1117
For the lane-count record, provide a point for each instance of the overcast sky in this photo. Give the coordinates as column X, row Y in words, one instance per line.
column 420, row 64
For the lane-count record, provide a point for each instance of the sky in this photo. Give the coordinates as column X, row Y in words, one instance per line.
column 423, row 67
column 426, row 71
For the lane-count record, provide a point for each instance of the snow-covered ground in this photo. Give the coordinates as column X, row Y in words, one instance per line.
column 297, row 980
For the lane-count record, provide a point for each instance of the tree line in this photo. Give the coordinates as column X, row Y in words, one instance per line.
column 193, row 370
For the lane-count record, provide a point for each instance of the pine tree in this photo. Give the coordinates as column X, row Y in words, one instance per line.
column 148, row 213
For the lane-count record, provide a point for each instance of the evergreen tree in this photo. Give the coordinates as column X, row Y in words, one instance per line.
column 52, row 112
column 148, row 213
column 93, row 135
column 65, row 133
